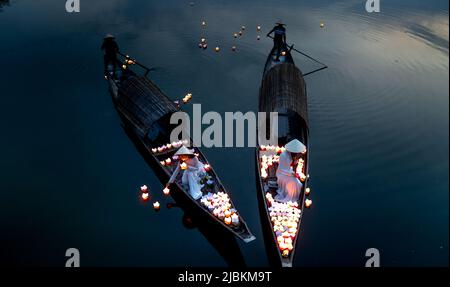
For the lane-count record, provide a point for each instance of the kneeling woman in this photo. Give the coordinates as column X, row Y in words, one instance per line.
column 193, row 168
column 289, row 185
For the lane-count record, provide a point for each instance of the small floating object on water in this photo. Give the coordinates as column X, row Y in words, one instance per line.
column 258, row 28
column 322, row 25
column 191, row 3
column 258, row 37
column 233, row 48
column 166, row 191
column 156, row 205
column 240, row 33
column 243, row 28
column 217, row 49
column 308, row 203
column 144, row 188
column 235, row 35
column 203, row 40
column 187, row 98
column 124, row 67
column 307, row 191
column 203, row 23
column 205, row 46
column 145, row 196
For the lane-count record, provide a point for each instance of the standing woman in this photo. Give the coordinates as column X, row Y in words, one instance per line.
column 289, row 185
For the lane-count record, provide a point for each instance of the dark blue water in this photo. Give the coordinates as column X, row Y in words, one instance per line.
column 378, row 121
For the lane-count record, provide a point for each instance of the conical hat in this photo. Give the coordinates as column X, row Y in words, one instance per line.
column 184, row 151
column 279, row 22
column 295, row 146
column 109, row 36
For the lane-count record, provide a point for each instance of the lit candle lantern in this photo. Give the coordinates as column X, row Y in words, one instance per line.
column 166, row 191
column 308, row 203
column 124, row 67
column 258, row 28
column 240, row 33
column 217, row 49
column 322, row 25
column 233, row 48
column 144, row 188
column 207, row 167
column 183, row 166
column 163, row 163
column 145, row 196
column 307, row 191
column 227, row 213
column 216, row 212
column 285, row 253
column 258, row 37
column 168, row 161
column 203, row 23
column 243, row 28
column 156, row 205
column 235, row 35
column 283, row 53
column 227, row 220
column 154, row 150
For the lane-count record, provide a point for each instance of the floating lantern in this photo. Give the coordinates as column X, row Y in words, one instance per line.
column 166, row 191
column 235, row 35
column 258, row 28
column 233, row 48
column 307, row 191
column 144, row 188
column 217, row 49
column 308, row 203
column 283, row 53
column 163, row 163
column 243, row 28
column 207, row 167
column 124, row 67
column 258, row 37
column 156, row 206
column 322, row 25
column 240, row 33
column 168, row 161
column 154, row 150
column 203, row 23
column 145, row 196
column 183, row 166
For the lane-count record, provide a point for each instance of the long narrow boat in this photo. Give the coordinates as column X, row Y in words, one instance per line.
column 282, row 90
column 145, row 112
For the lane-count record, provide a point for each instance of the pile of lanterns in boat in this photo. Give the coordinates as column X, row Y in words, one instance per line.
column 219, row 205
column 285, row 218
column 170, row 146
column 270, row 155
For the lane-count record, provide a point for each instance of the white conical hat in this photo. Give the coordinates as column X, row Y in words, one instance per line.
column 184, row 151
column 295, row 146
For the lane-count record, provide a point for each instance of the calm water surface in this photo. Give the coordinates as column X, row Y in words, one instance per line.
column 378, row 119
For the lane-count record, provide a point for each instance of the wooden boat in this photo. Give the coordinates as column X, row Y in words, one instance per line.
column 145, row 112
column 282, row 90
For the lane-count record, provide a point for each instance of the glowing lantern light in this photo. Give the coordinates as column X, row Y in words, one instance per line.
column 144, row 188
column 283, row 53
column 183, row 166
column 145, row 196
column 308, row 203
column 258, row 28
column 124, row 67
column 203, row 40
column 307, row 191
column 203, row 23
column 235, row 35
column 154, row 150
column 227, row 220
column 240, row 33
column 285, row 253
column 322, row 25
column 166, row 191
column 168, row 161
column 233, row 48
column 207, row 167
column 243, row 28
column 163, row 163
column 156, row 206
column 258, row 37
column 217, row 49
